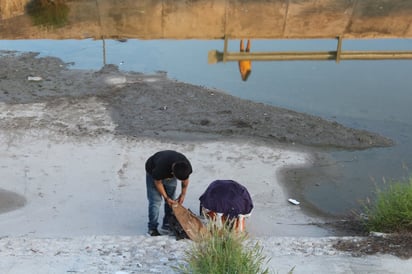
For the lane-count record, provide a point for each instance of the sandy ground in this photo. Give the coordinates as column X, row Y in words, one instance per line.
column 94, row 220
column 72, row 193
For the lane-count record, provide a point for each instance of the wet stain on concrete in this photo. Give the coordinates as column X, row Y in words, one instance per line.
column 10, row 201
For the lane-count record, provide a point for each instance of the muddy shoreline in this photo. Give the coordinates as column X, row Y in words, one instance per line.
column 153, row 106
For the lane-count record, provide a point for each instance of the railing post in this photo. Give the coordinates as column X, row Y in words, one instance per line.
column 225, row 48
column 339, row 49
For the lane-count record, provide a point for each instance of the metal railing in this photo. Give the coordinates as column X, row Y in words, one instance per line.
column 215, row 56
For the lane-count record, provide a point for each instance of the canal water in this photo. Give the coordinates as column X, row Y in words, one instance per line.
column 371, row 95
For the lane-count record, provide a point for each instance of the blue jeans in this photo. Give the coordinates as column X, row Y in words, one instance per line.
column 155, row 200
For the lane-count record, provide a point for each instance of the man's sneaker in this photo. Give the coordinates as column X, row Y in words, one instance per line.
column 153, row 232
column 165, row 229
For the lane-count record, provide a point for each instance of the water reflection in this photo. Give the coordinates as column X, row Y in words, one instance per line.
column 245, row 66
column 209, row 19
column 48, row 13
column 215, row 56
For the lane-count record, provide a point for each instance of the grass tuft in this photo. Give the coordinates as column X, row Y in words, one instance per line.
column 392, row 210
column 224, row 251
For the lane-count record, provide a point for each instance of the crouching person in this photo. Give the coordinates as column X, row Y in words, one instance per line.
column 226, row 201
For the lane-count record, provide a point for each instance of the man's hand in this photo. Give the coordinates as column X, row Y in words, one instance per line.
column 170, row 202
column 181, row 198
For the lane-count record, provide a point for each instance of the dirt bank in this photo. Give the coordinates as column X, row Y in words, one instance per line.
column 155, row 106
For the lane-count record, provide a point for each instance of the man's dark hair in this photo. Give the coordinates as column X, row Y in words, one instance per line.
column 181, row 170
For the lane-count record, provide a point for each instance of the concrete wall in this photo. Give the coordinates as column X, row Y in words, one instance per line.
column 213, row 19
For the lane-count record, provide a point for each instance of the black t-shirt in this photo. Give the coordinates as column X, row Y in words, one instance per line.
column 159, row 165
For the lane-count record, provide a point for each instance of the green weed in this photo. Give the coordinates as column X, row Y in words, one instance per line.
column 224, row 251
column 392, row 210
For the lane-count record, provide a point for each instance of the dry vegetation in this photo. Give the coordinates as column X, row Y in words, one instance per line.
column 10, row 8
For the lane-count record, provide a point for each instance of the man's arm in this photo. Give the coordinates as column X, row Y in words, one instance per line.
column 185, row 184
column 161, row 189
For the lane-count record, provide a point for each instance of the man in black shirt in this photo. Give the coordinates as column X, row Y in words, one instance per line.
column 163, row 169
